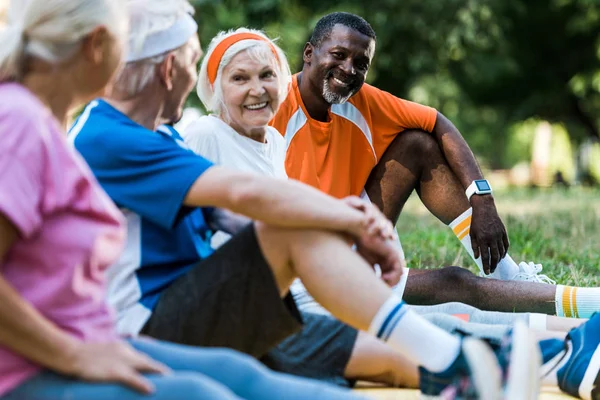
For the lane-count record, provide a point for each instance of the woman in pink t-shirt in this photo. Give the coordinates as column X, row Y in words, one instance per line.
column 59, row 232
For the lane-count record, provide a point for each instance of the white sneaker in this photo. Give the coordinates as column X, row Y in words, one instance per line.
column 530, row 272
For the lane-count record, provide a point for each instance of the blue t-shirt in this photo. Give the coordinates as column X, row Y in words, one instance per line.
column 147, row 174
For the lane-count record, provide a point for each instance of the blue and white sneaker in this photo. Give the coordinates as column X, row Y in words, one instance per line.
column 580, row 375
column 507, row 370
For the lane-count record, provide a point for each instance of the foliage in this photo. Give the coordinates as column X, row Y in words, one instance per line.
column 486, row 64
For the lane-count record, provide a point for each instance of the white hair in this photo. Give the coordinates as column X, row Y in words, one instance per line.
column 147, row 17
column 212, row 95
column 52, row 30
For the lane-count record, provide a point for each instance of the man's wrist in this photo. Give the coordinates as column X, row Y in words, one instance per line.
column 481, row 199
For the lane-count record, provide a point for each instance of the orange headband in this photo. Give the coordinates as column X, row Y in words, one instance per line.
column 217, row 54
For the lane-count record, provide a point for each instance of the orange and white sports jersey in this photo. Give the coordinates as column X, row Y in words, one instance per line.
column 337, row 156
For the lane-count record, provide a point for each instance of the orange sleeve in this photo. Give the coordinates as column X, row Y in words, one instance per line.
column 391, row 111
column 389, row 115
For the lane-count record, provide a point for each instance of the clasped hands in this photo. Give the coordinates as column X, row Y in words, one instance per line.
column 377, row 241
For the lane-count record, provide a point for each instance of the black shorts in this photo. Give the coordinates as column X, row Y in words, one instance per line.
column 229, row 299
column 321, row 350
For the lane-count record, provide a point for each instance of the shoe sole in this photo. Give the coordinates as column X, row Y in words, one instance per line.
column 523, row 381
column 589, row 389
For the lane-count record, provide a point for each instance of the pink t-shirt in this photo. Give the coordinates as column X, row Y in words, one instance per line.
column 70, row 231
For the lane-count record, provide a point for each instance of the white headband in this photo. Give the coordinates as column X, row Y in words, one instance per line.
column 169, row 39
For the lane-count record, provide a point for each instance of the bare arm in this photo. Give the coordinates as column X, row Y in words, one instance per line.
column 285, row 203
column 488, row 234
column 457, row 151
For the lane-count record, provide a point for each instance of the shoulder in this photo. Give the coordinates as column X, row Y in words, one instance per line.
column 100, row 127
column 206, row 129
column 203, row 127
column 22, row 104
column 286, row 110
column 25, row 123
column 369, row 95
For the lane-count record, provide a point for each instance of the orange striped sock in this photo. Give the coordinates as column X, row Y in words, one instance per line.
column 576, row 302
column 461, row 227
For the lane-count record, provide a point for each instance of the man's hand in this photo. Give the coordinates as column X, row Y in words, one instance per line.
column 488, row 234
column 376, row 223
column 383, row 252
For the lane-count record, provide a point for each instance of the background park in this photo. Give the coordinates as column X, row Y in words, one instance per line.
column 521, row 81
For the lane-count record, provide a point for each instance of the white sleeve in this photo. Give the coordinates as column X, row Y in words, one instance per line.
column 202, row 139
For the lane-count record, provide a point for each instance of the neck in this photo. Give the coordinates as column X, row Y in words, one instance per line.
column 145, row 108
column 258, row 134
column 313, row 100
column 53, row 89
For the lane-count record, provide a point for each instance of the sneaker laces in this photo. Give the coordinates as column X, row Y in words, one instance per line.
column 530, row 272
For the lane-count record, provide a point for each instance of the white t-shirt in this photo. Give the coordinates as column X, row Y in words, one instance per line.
column 213, row 139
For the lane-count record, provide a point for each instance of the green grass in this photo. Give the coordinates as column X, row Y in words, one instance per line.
column 557, row 228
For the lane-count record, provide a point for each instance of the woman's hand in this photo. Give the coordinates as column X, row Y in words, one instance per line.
column 112, row 362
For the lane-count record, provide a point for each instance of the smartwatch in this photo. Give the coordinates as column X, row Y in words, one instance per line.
column 478, row 186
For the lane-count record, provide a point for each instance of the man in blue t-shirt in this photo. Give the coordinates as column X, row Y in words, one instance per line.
column 168, row 283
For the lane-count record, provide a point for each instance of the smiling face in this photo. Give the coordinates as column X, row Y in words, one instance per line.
column 250, row 93
column 339, row 66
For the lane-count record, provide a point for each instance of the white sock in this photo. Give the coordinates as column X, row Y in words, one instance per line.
column 576, row 302
column 461, row 227
column 401, row 286
column 416, row 338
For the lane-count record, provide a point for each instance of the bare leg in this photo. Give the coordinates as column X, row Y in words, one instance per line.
column 560, row 324
column 454, row 284
column 286, row 252
column 414, row 161
column 374, row 361
column 343, row 282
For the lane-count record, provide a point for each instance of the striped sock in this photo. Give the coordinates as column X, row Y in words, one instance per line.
column 416, row 338
column 461, row 227
column 576, row 302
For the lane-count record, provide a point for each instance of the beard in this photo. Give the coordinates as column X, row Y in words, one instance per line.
column 332, row 97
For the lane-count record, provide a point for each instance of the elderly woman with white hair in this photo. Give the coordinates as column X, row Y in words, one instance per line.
column 59, row 232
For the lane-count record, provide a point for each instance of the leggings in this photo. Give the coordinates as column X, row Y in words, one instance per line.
column 198, row 373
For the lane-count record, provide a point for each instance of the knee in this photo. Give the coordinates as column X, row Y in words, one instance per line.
column 415, row 142
column 457, row 277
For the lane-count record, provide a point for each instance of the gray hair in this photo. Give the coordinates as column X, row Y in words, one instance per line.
column 52, row 30
column 212, row 95
column 147, row 17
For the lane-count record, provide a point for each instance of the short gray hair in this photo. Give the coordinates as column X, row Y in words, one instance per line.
column 147, row 17
column 52, row 30
column 212, row 95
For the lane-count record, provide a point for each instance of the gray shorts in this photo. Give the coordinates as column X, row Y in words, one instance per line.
column 229, row 299
column 321, row 350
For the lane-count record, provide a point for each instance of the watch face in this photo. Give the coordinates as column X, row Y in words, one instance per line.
column 482, row 185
